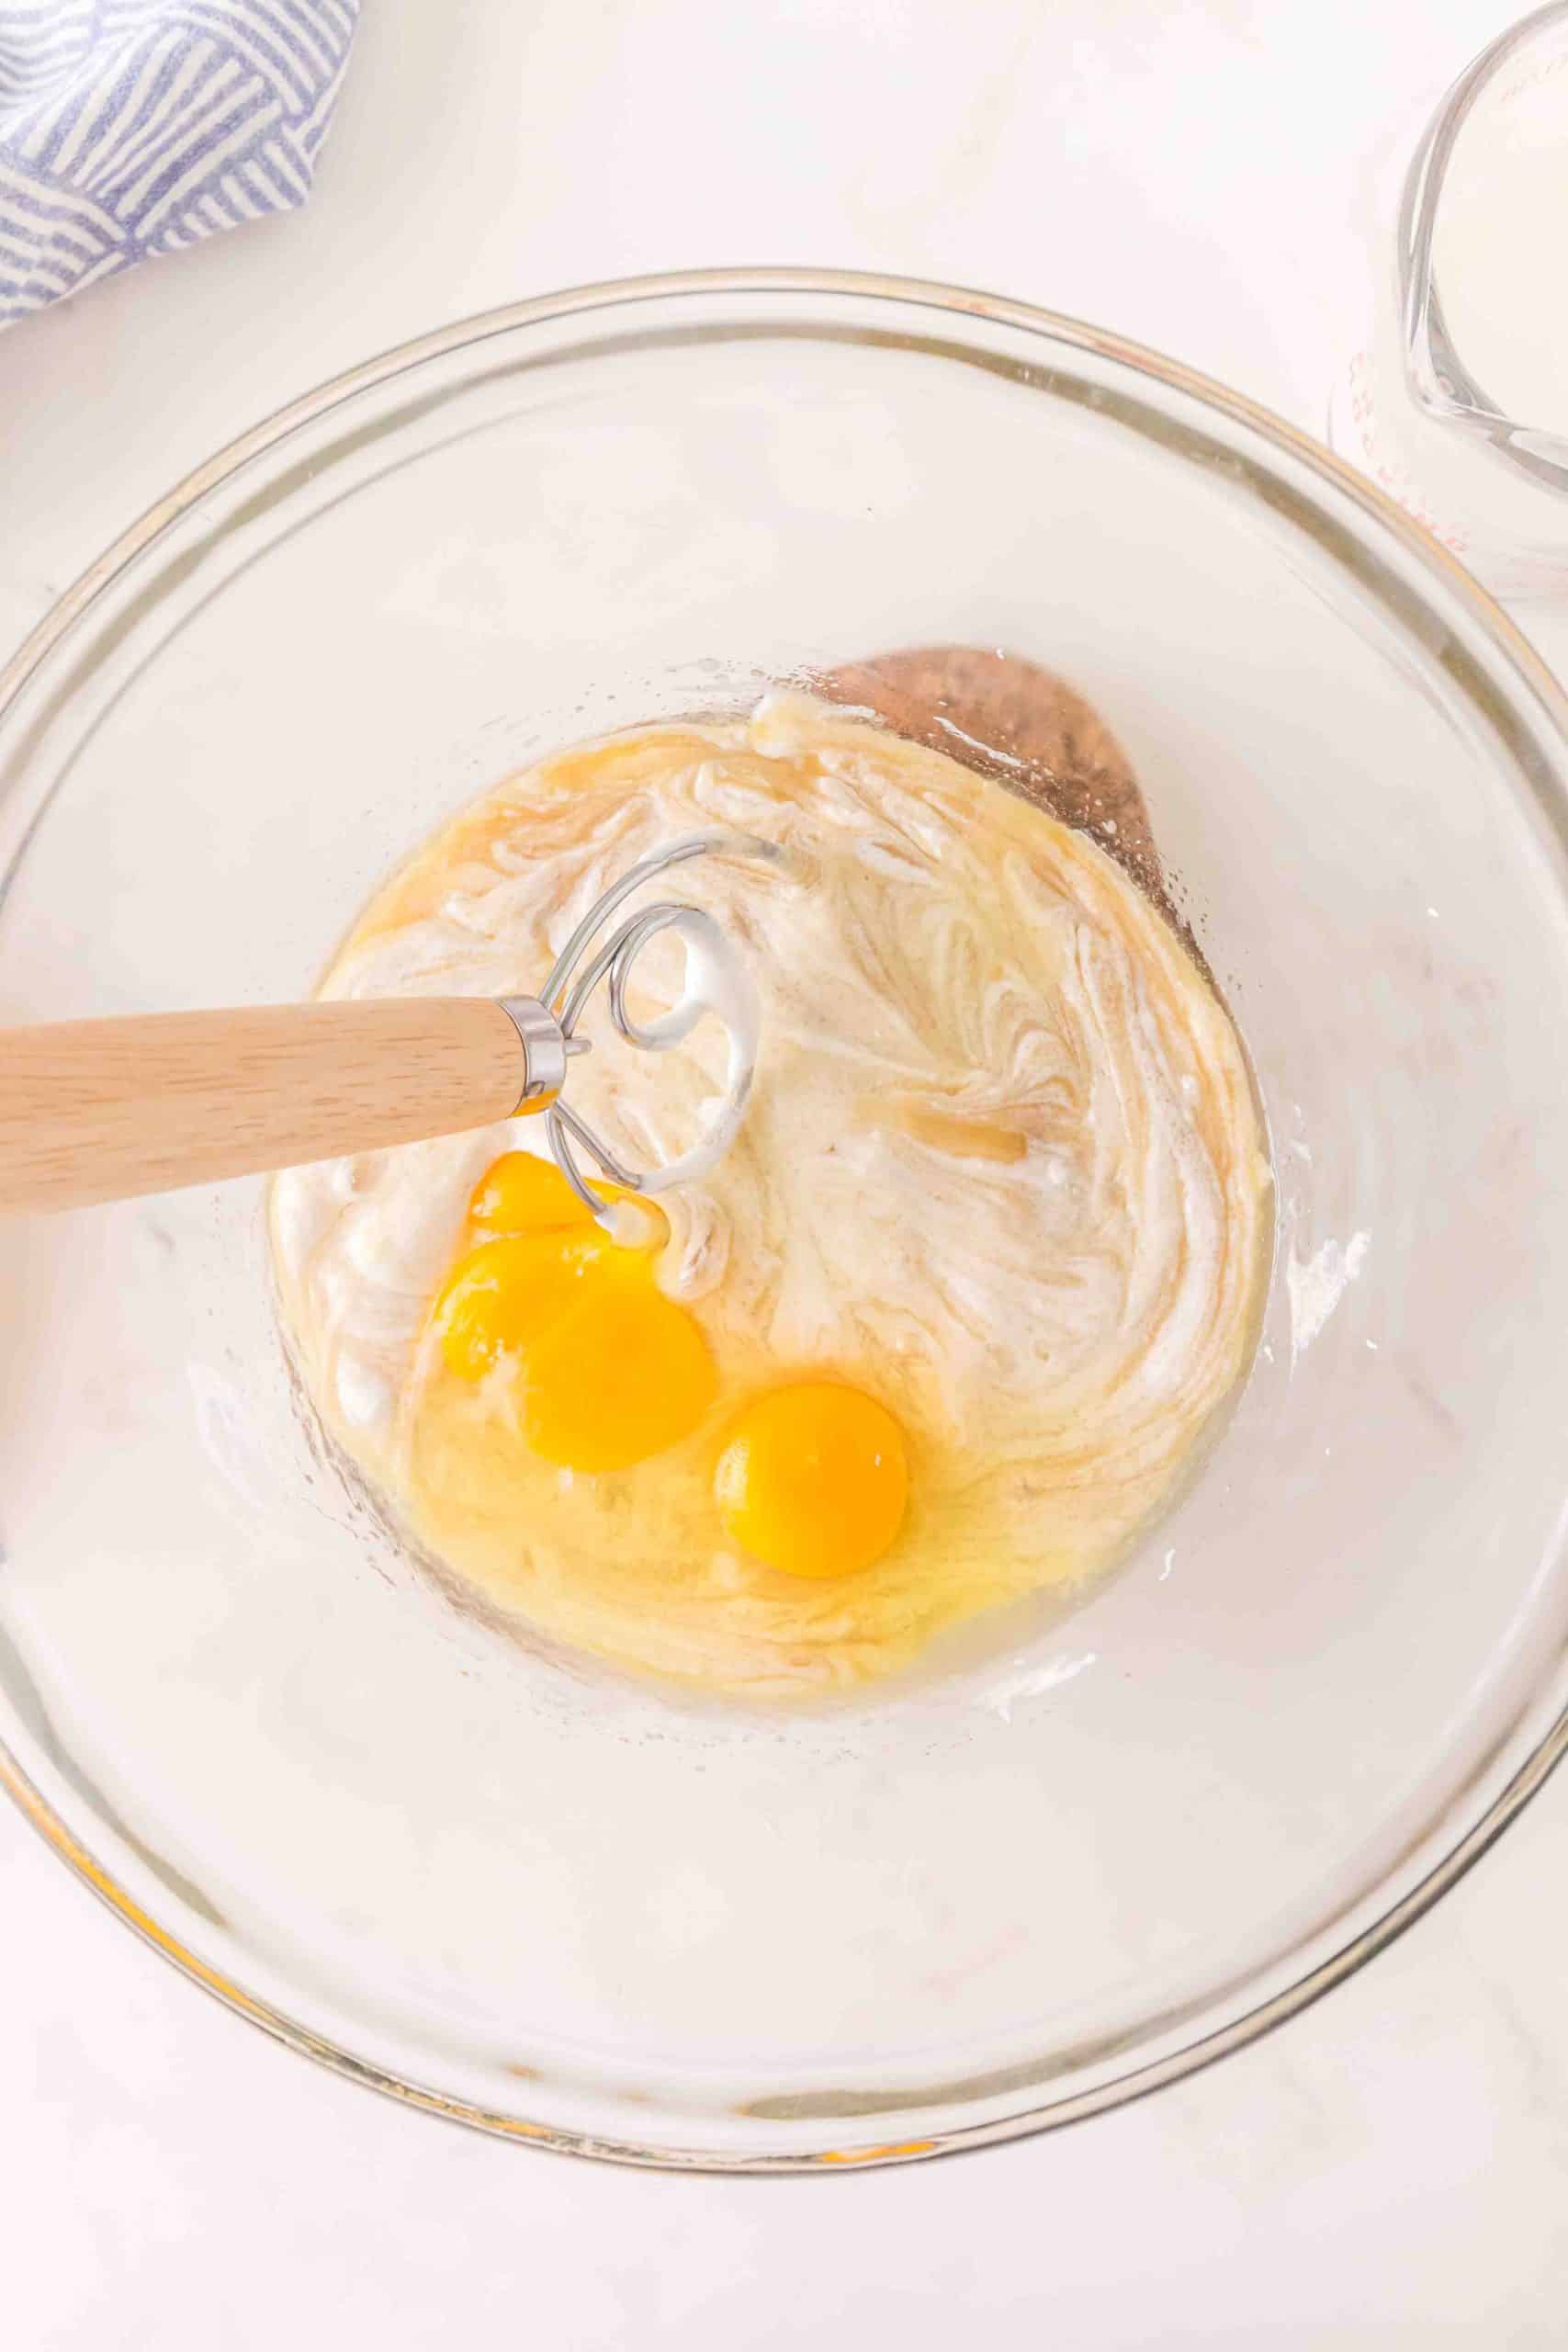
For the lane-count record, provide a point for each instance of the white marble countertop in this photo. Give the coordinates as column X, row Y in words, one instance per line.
column 1390, row 2169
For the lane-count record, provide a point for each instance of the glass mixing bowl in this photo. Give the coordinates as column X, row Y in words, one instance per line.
column 1084, row 1854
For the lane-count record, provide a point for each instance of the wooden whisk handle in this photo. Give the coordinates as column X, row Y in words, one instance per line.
column 99, row 1110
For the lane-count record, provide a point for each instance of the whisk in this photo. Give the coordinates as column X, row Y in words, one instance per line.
column 103, row 1110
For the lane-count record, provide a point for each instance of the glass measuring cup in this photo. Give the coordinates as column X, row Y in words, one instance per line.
column 1456, row 397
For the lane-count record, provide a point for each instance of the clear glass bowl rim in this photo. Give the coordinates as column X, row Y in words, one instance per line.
column 1531, row 683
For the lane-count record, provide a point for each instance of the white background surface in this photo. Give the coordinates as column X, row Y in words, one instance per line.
column 1390, row 2170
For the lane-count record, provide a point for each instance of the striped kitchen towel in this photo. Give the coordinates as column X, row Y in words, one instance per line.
column 131, row 127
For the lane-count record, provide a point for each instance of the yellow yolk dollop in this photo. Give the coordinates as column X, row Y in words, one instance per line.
column 522, row 1193
column 814, row 1479
column 602, row 1368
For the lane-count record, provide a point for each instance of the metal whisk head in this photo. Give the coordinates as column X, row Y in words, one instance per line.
column 716, row 982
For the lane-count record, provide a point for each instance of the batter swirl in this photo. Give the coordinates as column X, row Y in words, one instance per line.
column 1001, row 1172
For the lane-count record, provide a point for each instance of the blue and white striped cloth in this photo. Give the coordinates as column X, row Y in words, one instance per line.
column 132, row 127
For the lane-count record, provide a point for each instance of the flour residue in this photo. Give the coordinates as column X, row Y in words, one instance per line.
column 1316, row 1284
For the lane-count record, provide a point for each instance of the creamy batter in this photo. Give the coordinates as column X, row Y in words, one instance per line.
column 1001, row 1179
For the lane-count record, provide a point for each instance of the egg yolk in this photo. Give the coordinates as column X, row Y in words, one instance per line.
column 510, row 1292
column 519, row 1193
column 604, row 1370
column 814, row 1479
